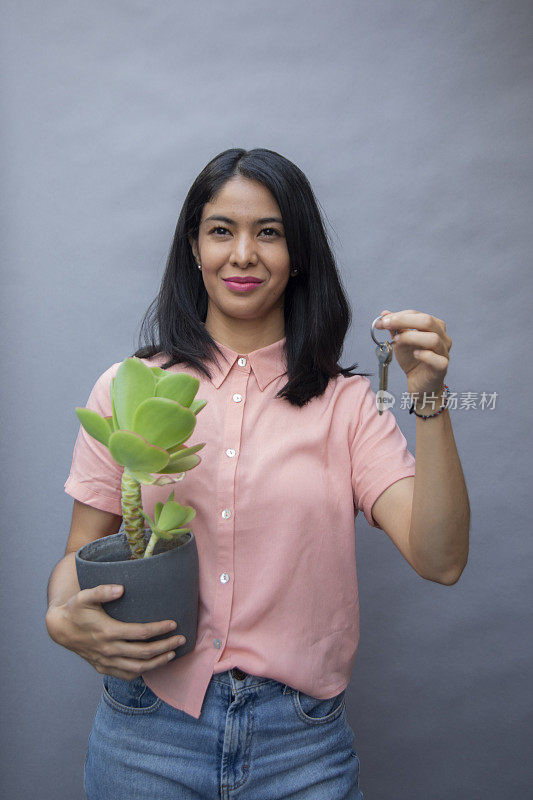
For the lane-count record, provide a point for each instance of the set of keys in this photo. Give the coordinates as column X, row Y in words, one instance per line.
column 384, row 353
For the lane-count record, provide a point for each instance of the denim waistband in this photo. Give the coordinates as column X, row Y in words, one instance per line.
column 227, row 678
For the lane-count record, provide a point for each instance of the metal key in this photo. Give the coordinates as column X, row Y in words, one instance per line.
column 384, row 354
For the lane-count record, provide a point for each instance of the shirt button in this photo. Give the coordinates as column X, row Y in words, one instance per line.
column 226, row 514
column 217, row 643
column 224, row 578
column 230, row 453
column 237, row 398
column 241, row 362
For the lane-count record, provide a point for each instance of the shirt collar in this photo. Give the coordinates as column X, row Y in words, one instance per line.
column 267, row 363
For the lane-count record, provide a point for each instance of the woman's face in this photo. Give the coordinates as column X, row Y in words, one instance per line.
column 241, row 235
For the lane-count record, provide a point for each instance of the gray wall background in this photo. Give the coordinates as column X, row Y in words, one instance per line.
column 413, row 122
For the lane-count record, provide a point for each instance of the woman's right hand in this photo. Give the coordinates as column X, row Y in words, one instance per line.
column 113, row 648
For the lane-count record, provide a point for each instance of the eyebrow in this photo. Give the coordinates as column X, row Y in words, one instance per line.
column 232, row 221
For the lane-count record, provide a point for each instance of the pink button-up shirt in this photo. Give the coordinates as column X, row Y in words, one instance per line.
column 276, row 495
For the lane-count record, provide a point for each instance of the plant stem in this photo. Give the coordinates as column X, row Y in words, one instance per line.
column 133, row 520
column 150, row 546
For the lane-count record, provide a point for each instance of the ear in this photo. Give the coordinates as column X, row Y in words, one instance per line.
column 194, row 247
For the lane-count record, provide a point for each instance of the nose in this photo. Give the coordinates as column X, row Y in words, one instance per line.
column 244, row 250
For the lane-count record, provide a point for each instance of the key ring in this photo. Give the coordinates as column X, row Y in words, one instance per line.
column 372, row 333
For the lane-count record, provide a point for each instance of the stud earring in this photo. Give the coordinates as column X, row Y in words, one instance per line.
column 294, row 271
column 199, row 266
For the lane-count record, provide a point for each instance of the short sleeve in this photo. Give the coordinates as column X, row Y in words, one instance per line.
column 95, row 477
column 378, row 451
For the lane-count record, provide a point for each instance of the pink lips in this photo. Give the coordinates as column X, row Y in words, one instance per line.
column 242, row 284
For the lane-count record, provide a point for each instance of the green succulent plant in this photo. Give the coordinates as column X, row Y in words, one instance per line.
column 153, row 414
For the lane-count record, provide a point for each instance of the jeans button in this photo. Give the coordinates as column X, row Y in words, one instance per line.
column 238, row 673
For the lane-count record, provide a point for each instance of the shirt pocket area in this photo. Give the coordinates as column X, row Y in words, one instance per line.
column 318, row 712
column 129, row 697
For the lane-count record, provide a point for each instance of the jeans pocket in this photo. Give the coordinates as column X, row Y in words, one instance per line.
column 130, row 697
column 314, row 711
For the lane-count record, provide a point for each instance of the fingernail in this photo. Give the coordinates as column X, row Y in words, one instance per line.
column 170, row 655
column 181, row 639
column 386, row 320
column 172, row 625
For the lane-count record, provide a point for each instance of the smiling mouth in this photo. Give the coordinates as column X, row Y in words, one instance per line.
column 241, row 286
column 238, row 279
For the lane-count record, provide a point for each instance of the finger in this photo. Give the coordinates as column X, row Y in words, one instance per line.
column 149, row 650
column 439, row 363
column 387, row 313
column 422, row 339
column 129, row 668
column 382, row 314
column 416, row 320
column 139, row 630
column 99, row 594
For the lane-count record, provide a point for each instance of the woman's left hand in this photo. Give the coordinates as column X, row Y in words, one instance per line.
column 421, row 347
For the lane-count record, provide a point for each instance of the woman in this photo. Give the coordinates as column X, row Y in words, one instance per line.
column 251, row 303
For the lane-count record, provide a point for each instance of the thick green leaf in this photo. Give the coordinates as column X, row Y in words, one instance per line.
column 190, row 516
column 113, row 408
column 157, row 511
column 197, row 405
column 162, row 534
column 178, row 386
column 163, row 422
column 173, row 515
column 181, row 450
column 184, row 450
column 147, row 479
column 158, row 372
column 148, row 519
column 132, row 451
column 95, row 425
column 110, row 424
column 134, row 382
column 182, row 465
column 170, row 534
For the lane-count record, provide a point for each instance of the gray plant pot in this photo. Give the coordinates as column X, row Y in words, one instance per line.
column 163, row 586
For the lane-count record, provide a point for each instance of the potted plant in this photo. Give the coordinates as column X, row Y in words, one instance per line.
column 153, row 414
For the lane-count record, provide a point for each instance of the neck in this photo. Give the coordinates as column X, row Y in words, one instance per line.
column 244, row 335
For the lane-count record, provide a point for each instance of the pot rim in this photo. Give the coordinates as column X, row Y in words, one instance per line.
column 79, row 553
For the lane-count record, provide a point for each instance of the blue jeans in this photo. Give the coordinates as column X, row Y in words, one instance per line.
column 256, row 739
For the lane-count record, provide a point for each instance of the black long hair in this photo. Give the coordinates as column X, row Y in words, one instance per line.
column 316, row 311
